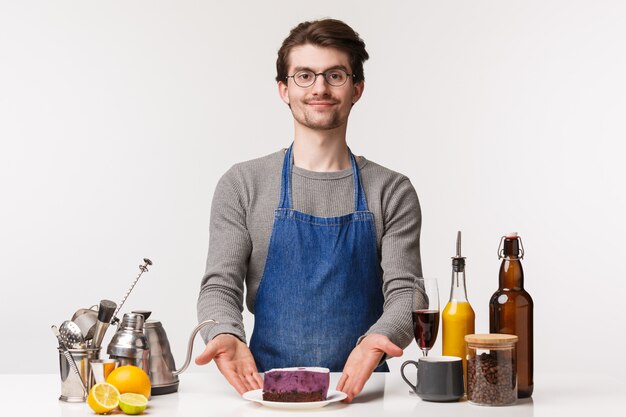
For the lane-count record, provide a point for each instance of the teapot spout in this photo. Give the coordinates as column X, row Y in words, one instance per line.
column 190, row 345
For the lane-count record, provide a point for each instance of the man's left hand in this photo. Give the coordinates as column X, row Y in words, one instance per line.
column 362, row 361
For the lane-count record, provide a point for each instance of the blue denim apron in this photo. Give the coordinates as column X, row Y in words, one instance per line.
column 321, row 288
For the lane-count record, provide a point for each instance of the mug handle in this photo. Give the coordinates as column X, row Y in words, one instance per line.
column 404, row 377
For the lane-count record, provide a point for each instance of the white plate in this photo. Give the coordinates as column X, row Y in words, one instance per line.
column 257, row 396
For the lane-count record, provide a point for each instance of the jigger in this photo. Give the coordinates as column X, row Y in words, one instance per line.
column 100, row 370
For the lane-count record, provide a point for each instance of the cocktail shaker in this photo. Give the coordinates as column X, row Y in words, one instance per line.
column 129, row 345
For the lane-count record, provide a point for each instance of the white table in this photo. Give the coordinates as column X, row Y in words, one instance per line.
column 208, row 394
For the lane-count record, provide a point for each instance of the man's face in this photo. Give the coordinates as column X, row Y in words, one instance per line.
column 320, row 106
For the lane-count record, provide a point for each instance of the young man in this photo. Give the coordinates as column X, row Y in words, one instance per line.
column 327, row 243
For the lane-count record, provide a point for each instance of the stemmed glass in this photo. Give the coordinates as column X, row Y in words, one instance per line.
column 425, row 313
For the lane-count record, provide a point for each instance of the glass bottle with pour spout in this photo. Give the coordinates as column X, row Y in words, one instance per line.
column 458, row 316
column 511, row 309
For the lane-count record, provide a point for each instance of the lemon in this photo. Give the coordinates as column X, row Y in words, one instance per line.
column 103, row 398
column 130, row 378
column 133, row 403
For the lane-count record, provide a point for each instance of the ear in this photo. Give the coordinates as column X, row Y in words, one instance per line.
column 283, row 91
column 357, row 91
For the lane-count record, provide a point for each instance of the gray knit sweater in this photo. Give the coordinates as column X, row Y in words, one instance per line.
column 242, row 215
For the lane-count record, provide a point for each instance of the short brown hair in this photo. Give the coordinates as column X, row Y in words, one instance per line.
column 329, row 33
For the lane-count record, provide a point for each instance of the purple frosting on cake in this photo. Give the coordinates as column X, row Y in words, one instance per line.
column 301, row 380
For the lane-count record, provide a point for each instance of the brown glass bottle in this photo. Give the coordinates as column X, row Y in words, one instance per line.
column 511, row 310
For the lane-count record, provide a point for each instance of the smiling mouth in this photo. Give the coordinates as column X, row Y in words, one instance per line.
column 321, row 103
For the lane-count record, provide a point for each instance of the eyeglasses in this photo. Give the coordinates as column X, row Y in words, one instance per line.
column 334, row 77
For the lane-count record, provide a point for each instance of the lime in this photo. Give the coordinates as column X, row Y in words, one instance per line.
column 103, row 398
column 131, row 403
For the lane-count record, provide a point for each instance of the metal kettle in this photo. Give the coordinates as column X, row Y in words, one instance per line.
column 163, row 373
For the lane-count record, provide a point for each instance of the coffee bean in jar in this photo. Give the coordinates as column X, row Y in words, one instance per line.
column 491, row 369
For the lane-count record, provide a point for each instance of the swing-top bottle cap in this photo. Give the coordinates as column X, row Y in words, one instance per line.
column 511, row 245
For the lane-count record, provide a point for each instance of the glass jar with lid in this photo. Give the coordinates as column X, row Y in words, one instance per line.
column 491, row 369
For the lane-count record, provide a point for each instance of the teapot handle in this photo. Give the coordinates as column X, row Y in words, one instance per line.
column 190, row 345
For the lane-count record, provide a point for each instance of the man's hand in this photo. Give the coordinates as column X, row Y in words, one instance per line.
column 362, row 361
column 234, row 360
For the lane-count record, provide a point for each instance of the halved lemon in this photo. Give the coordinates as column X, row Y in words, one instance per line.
column 133, row 403
column 103, row 398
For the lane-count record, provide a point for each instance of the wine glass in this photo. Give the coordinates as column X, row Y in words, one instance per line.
column 425, row 313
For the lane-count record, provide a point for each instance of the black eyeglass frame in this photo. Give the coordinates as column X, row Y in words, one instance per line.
column 321, row 73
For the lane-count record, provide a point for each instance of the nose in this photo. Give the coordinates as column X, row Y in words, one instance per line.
column 320, row 85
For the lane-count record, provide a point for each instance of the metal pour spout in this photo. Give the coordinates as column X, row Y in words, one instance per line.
column 458, row 261
column 190, row 345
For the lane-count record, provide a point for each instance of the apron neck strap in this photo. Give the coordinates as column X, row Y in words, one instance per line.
column 360, row 202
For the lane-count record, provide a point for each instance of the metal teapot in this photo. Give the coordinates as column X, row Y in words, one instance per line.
column 162, row 369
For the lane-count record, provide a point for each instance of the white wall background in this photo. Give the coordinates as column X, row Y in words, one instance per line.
column 118, row 118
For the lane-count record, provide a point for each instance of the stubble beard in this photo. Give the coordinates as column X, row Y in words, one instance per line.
column 318, row 121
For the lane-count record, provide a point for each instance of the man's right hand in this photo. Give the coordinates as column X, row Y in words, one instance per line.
column 234, row 360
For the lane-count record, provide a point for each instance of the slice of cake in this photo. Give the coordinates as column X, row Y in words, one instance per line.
column 296, row 385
